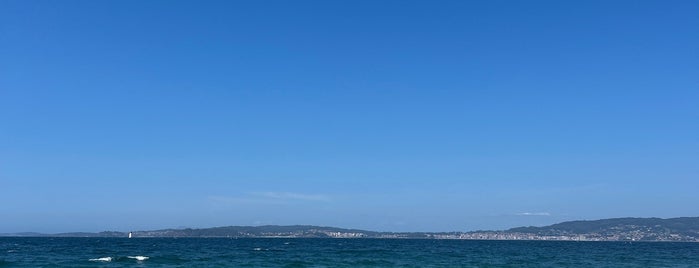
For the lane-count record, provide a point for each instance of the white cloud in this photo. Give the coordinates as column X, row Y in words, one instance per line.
column 233, row 200
column 268, row 198
column 292, row 196
column 533, row 214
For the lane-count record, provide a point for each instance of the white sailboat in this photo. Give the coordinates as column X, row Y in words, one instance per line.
column 130, row 234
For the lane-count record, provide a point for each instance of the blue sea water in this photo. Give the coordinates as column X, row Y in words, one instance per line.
column 279, row 252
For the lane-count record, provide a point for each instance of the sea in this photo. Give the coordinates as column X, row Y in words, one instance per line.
column 319, row 252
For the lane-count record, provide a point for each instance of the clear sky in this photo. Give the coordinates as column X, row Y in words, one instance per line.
column 381, row 115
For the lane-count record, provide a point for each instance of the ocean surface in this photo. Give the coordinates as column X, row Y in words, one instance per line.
column 280, row 252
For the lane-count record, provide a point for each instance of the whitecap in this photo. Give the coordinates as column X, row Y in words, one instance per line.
column 104, row 259
column 138, row 258
column 257, row 249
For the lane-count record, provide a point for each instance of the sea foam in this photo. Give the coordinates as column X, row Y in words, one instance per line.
column 103, row 259
column 138, row 258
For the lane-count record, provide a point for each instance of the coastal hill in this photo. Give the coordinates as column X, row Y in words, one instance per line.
column 650, row 229
column 684, row 229
column 308, row 231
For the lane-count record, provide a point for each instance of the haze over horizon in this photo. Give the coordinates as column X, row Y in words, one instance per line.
column 375, row 115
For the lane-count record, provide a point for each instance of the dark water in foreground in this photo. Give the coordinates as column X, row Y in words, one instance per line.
column 221, row 252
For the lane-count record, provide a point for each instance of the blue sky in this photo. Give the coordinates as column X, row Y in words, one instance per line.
column 382, row 115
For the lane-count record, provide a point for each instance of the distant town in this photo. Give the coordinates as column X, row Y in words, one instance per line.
column 684, row 229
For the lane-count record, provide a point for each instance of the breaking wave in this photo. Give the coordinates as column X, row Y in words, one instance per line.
column 103, row 259
column 139, row 258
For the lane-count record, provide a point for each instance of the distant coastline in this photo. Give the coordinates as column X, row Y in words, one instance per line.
column 684, row 229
